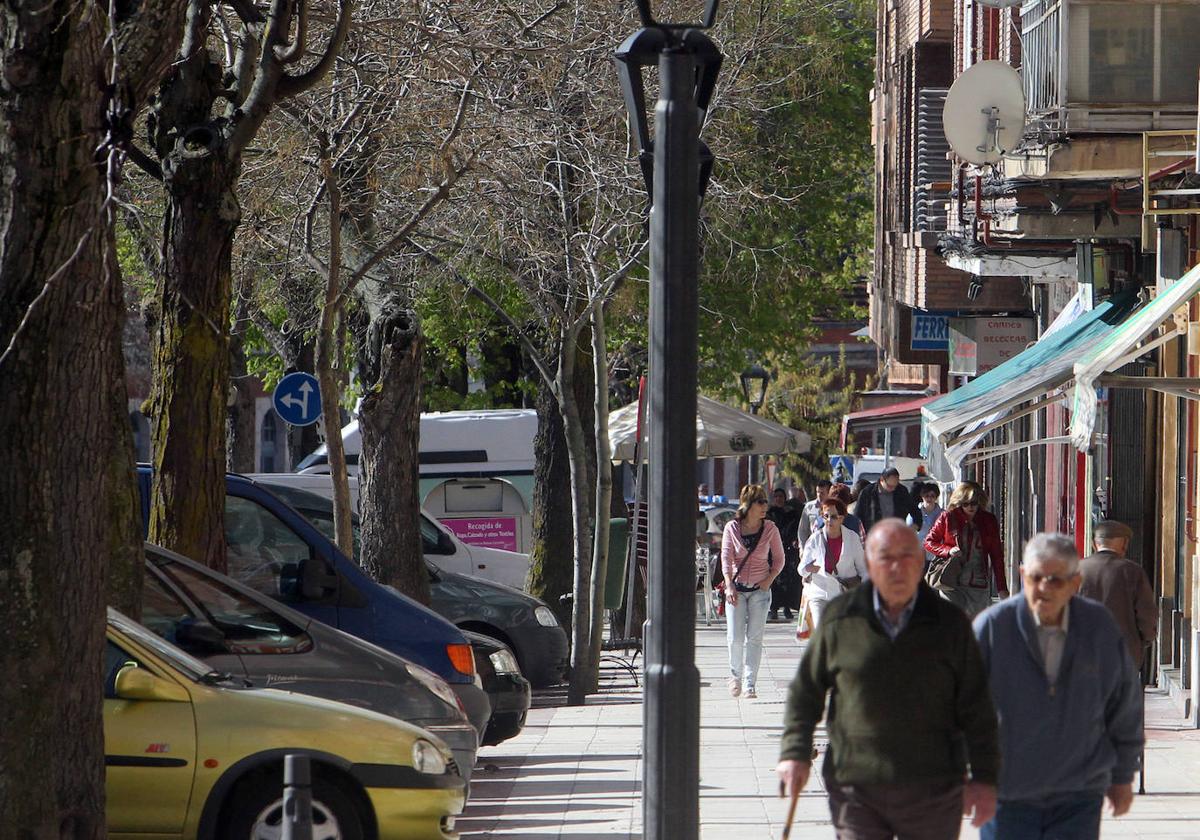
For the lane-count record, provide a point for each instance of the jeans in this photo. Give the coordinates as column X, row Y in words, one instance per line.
column 744, row 625
column 1072, row 817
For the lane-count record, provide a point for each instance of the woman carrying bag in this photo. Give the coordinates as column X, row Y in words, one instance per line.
column 833, row 561
column 965, row 543
column 751, row 558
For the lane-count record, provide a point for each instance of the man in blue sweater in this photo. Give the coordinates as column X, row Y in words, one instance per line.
column 1068, row 699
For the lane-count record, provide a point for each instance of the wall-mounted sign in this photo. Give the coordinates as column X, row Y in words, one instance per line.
column 929, row 331
column 979, row 344
column 490, row 532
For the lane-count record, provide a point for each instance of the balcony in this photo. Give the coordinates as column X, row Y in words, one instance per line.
column 1104, row 67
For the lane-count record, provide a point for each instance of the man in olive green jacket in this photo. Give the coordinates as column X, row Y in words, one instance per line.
column 913, row 743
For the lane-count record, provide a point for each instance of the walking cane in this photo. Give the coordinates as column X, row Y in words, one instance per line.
column 787, row 826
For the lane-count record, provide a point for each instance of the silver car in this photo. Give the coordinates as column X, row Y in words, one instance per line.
column 237, row 630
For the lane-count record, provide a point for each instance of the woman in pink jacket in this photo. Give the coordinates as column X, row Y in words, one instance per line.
column 751, row 559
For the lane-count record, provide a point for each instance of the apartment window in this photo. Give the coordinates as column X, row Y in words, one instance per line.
column 267, row 442
column 1133, row 53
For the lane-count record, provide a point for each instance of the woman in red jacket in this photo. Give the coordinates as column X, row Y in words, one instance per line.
column 965, row 542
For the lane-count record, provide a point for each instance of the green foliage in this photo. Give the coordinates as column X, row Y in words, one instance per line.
column 788, row 220
column 812, row 398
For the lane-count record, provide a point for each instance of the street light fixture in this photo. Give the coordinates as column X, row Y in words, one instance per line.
column 676, row 167
column 754, row 388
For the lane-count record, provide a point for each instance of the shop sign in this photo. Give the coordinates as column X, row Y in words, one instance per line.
column 929, row 331
column 979, row 344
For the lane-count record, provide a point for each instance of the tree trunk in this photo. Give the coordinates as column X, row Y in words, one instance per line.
column 581, row 512
column 191, row 360
column 69, row 495
column 603, row 497
column 327, row 376
column 390, row 411
column 241, row 416
column 550, row 562
column 191, row 345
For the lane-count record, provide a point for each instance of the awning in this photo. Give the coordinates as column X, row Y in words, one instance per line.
column 1126, row 343
column 884, row 416
column 958, row 419
column 721, row 432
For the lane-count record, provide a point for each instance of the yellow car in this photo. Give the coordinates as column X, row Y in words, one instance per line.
column 192, row 754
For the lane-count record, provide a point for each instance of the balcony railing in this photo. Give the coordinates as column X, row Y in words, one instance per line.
column 1110, row 66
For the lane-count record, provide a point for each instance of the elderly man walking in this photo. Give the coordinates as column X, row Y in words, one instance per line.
column 1121, row 585
column 1068, row 698
column 912, row 731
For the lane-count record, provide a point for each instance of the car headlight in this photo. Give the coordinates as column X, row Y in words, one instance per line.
column 545, row 617
column 504, row 662
column 434, row 683
column 427, row 758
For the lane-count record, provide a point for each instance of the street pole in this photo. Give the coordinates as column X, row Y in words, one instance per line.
column 753, row 458
column 671, row 796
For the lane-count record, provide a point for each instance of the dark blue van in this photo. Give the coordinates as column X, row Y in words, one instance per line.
column 277, row 552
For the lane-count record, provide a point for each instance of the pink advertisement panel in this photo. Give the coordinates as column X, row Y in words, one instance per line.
column 490, row 532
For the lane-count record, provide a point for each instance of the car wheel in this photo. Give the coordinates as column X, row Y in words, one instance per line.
column 256, row 810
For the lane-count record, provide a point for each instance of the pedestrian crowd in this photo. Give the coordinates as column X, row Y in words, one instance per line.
column 1024, row 715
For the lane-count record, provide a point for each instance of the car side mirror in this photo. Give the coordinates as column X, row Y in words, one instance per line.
column 199, row 638
column 317, row 579
column 445, row 544
column 134, row 683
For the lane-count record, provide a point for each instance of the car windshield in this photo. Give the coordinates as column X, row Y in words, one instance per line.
column 248, row 626
column 185, row 663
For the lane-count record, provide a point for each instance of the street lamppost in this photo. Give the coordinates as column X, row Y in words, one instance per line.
column 676, row 167
column 754, row 388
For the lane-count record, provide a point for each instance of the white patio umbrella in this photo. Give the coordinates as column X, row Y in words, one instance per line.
column 721, row 432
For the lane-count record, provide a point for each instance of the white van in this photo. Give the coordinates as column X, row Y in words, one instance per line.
column 476, row 473
column 508, row 567
column 871, row 467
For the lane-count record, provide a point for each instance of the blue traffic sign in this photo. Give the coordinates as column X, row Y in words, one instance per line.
column 297, row 399
column 842, row 467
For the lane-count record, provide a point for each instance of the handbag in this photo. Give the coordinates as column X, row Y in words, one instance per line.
column 943, row 572
column 804, row 625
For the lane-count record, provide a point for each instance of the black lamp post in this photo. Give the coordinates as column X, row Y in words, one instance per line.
column 676, row 167
column 754, row 389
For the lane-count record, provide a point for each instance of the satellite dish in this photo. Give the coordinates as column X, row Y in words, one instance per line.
column 984, row 115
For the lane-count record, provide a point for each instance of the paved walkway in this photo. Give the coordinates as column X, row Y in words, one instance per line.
column 575, row 773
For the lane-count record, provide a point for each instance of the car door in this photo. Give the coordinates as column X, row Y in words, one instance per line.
column 149, row 757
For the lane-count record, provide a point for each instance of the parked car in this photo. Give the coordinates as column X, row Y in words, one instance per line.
column 234, row 629
column 276, row 551
column 516, row 619
column 508, row 689
column 192, row 753
column 508, row 567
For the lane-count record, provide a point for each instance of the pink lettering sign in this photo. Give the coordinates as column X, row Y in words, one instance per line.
column 488, row 532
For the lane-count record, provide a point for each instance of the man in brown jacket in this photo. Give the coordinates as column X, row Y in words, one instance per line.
column 1122, row 586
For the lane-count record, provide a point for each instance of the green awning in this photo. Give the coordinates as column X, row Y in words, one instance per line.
column 1041, row 368
column 1122, row 345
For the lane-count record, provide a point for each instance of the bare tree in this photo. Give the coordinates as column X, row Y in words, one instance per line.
column 235, row 65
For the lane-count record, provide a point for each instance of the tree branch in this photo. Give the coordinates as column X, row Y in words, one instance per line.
column 293, row 85
column 491, row 303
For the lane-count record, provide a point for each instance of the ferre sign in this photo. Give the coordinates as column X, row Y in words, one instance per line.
column 979, row 344
column 929, row 331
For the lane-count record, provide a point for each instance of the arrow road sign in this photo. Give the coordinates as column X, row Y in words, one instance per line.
column 297, row 399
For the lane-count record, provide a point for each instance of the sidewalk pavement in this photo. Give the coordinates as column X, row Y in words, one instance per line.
column 575, row 772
